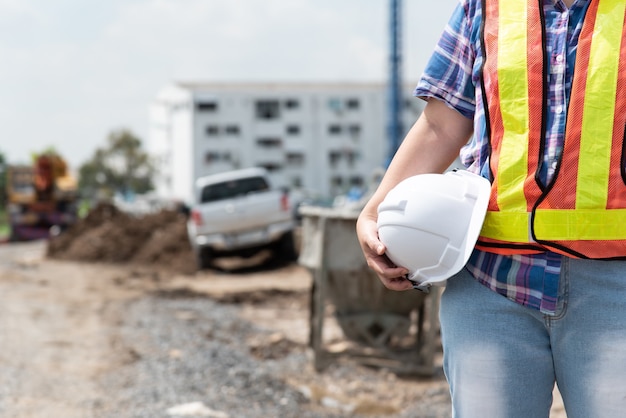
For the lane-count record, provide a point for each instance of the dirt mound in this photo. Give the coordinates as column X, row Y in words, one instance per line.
column 107, row 234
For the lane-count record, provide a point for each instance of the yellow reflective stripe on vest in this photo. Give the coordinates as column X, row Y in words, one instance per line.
column 511, row 223
column 599, row 107
column 507, row 226
column 581, row 224
column 513, row 82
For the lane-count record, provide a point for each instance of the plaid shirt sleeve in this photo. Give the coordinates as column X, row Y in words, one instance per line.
column 450, row 74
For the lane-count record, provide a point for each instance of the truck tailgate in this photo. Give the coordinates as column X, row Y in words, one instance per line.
column 243, row 213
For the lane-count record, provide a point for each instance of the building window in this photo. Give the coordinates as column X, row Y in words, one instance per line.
column 295, row 158
column 216, row 156
column 269, row 142
column 211, row 157
column 354, row 130
column 353, row 104
column 296, row 182
column 206, row 106
column 334, row 157
column 336, row 181
column 292, row 104
column 232, row 130
column 351, row 156
column 293, row 130
column 267, row 109
column 413, row 105
column 212, row 130
column 335, row 105
column 356, row 181
column 271, row 167
column 334, row 129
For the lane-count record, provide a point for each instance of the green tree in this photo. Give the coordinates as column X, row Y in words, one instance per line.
column 120, row 167
column 3, row 181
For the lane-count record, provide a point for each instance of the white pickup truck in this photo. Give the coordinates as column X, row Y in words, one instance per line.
column 238, row 212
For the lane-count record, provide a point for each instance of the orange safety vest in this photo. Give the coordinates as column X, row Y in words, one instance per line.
column 582, row 212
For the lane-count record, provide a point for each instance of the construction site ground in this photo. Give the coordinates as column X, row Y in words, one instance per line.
column 112, row 319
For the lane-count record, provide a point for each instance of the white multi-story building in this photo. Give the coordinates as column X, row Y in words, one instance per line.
column 324, row 138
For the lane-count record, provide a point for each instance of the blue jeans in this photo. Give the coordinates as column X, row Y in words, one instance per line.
column 502, row 359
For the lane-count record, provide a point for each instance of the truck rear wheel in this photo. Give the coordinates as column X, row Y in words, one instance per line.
column 203, row 258
column 286, row 248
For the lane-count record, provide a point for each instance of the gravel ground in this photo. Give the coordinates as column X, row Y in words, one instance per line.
column 194, row 350
column 98, row 340
column 191, row 351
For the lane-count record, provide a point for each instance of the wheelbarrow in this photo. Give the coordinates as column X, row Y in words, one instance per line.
column 379, row 327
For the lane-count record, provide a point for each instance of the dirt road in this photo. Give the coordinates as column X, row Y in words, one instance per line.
column 104, row 340
column 58, row 332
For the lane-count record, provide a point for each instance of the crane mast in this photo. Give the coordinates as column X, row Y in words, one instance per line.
column 394, row 117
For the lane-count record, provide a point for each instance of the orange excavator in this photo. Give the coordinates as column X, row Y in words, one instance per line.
column 42, row 198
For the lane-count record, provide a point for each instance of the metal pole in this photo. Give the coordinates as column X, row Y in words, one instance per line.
column 394, row 95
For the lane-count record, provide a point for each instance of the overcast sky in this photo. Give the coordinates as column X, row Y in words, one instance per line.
column 72, row 71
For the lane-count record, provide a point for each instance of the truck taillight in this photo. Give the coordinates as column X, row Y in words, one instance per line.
column 196, row 217
column 284, row 202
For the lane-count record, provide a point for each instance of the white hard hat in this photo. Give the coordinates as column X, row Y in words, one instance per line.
column 430, row 223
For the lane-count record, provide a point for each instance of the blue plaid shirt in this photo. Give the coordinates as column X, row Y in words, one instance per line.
column 452, row 75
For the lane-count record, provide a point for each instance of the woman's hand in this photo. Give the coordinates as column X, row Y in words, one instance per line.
column 392, row 276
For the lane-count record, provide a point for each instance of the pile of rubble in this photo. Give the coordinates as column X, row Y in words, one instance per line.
column 108, row 234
